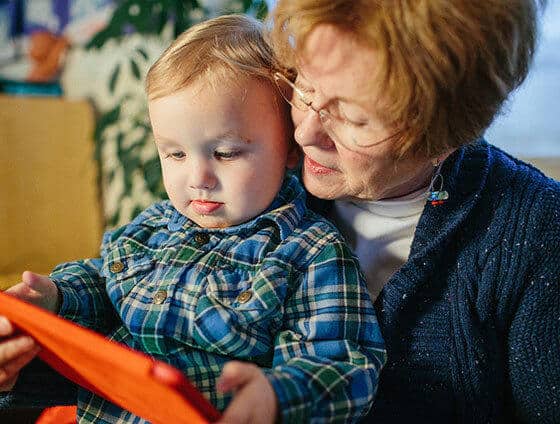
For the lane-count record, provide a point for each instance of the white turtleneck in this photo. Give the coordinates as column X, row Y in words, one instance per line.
column 380, row 233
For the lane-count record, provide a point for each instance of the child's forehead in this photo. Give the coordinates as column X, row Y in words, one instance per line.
column 223, row 83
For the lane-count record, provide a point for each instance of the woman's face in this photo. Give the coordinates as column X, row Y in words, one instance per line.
column 337, row 73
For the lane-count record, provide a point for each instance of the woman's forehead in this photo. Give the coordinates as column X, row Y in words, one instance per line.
column 336, row 64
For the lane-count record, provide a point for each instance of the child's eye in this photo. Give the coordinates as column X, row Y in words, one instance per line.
column 176, row 155
column 227, row 155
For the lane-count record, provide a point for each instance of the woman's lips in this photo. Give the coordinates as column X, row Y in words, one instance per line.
column 205, row 207
column 315, row 167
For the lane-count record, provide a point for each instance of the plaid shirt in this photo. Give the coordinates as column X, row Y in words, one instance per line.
column 282, row 291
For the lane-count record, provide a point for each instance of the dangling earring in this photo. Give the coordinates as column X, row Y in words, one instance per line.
column 438, row 196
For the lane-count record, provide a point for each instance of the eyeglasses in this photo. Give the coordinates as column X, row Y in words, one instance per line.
column 338, row 128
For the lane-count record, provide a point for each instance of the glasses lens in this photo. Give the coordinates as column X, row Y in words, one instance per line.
column 350, row 136
column 290, row 92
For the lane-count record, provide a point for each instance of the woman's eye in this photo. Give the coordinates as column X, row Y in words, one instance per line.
column 227, row 155
column 176, row 155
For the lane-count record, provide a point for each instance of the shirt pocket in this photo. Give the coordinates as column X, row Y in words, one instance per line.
column 236, row 313
column 123, row 273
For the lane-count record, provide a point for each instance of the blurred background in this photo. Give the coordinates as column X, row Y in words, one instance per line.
column 76, row 153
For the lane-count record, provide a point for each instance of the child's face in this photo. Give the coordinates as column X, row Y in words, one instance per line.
column 223, row 151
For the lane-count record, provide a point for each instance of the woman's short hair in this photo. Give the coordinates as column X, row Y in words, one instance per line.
column 446, row 65
column 223, row 49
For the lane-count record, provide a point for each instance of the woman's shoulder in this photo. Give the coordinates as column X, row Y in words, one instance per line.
column 520, row 186
column 505, row 164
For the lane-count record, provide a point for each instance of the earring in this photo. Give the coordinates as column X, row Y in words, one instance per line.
column 438, row 196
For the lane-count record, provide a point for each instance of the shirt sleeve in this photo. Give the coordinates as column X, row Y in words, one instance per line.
column 328, row 355
column 82, row 289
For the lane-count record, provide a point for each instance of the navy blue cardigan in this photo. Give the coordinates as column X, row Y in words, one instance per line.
column 472, row 320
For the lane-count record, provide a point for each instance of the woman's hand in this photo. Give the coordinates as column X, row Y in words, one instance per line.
column 254, row 400
column 17, row 350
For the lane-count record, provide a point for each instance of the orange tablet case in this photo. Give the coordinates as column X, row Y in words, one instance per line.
column 148, row 388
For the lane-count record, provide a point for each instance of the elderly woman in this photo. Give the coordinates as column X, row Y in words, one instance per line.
column 460, row 242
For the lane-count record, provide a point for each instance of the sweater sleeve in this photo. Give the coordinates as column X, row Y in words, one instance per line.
column 534, row 338
column 330, row 351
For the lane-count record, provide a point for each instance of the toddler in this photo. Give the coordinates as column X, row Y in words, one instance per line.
column 232, row 267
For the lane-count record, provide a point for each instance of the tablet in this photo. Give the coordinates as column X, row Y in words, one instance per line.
column 136, row 382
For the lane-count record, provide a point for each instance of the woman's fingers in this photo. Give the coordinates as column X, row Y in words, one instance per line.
column 6, row 327
column 15, row 353
column 9, row 371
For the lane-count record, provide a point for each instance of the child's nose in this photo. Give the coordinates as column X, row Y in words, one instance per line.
column 202, row 177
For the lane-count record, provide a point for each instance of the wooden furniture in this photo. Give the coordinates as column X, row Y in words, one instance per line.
column 50, row 210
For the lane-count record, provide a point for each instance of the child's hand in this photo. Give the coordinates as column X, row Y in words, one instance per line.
column 37, row 289
column 254, row 400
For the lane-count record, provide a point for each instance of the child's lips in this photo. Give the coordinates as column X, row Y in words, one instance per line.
column 205, row 207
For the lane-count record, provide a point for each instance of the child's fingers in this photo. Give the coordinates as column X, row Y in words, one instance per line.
column 36, row 282
column 235, row 375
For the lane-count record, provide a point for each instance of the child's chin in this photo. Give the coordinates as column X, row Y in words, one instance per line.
column 210, row 222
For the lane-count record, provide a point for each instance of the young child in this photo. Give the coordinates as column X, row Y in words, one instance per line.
column 233, row 266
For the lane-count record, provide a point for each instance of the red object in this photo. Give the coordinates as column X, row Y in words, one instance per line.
column 58, row 415
column 148, row 388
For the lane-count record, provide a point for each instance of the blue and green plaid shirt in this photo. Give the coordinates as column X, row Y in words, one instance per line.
column 283, row 291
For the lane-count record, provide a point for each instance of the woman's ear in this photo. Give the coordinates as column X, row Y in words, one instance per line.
column 294, row 155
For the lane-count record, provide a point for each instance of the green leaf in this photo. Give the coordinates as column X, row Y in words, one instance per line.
column 113, row 80
column 103, row 122
column 142, row 53
column 135, row 69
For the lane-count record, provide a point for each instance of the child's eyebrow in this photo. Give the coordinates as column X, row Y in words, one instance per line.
column 164, row 141
column 232, row 136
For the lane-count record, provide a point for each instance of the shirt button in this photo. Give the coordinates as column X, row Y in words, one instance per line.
column 116, row 267
column 201, row 238
column 244, row 297
column 160, row 297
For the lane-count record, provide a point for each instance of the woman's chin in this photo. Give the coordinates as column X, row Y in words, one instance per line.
column 322, row 186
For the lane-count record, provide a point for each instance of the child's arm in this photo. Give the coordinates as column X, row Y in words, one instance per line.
column 328, row 355
column 84, row 299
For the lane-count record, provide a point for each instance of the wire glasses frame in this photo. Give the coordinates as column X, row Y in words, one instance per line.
column 337, row 128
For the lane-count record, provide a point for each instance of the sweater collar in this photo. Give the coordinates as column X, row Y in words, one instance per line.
column 465, row 173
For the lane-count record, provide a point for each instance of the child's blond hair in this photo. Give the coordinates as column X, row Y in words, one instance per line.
column 225, row 48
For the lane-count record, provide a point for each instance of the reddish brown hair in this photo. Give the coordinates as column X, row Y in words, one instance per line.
column 446, row 65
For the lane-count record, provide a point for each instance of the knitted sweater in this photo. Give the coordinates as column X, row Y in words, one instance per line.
column 472, row 320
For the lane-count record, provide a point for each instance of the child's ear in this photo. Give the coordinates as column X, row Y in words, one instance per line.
column 294, row 155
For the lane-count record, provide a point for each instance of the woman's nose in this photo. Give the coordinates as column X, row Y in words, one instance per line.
column 309, row 130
